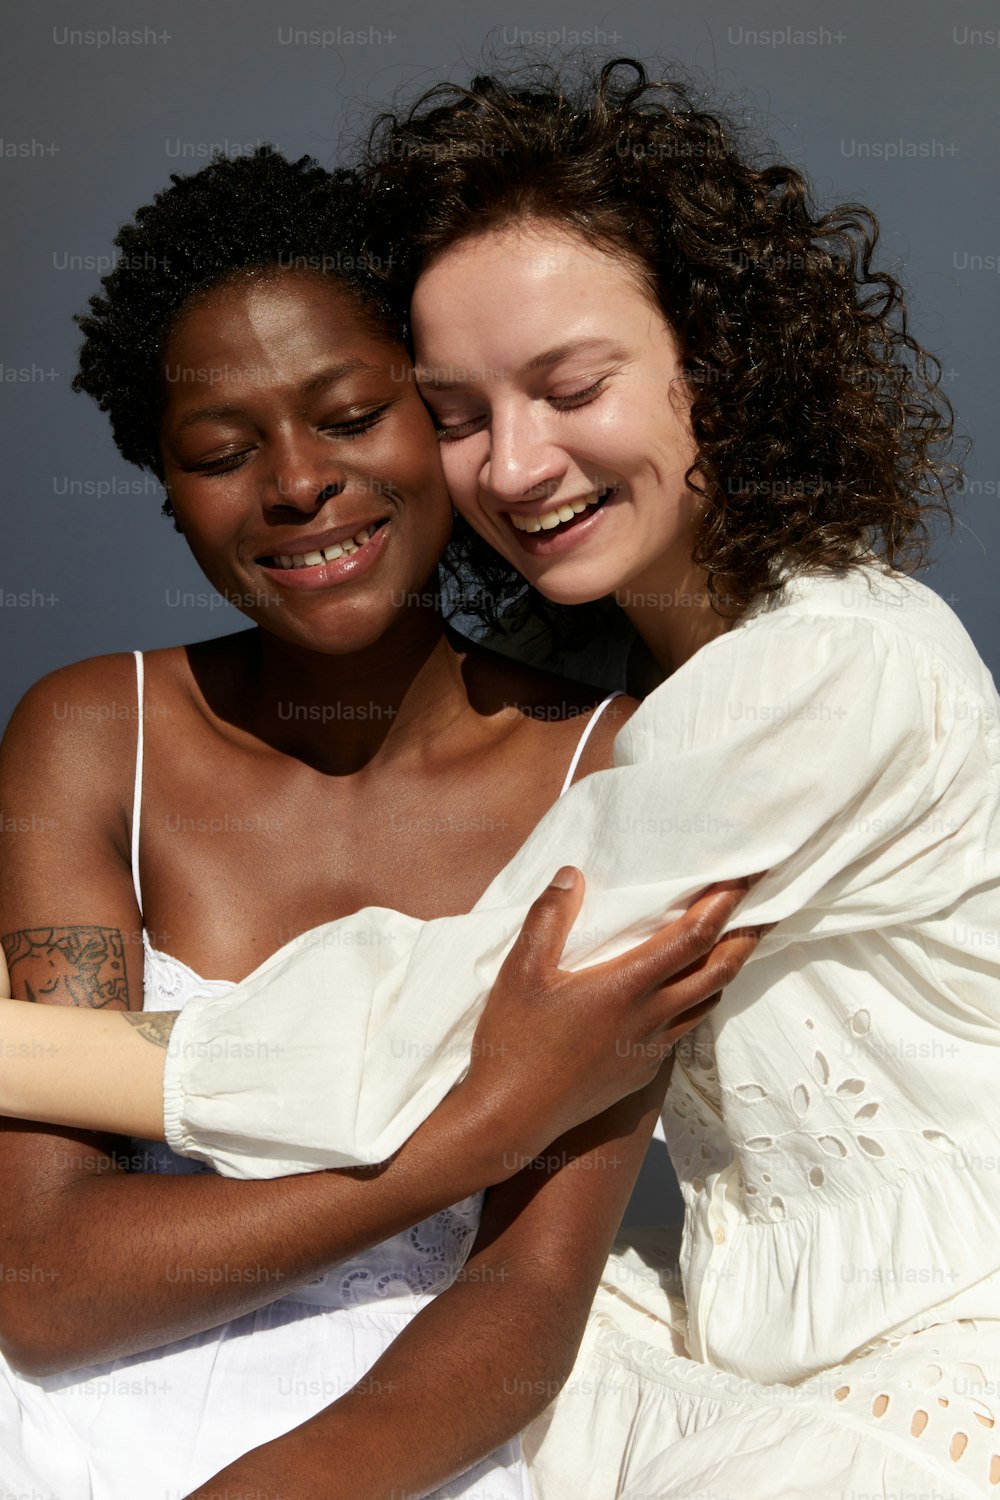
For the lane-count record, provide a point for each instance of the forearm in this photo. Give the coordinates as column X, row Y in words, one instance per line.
column 91, row 1069
column 501, row 1354
column 477, row 1364
column 126, row 1262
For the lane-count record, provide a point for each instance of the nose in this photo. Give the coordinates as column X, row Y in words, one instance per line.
column 304, row 473
column 524, row 462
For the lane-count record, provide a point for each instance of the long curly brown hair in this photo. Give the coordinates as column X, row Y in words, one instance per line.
column 822, row 431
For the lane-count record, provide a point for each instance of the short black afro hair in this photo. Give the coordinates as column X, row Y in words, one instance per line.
column 243, row 213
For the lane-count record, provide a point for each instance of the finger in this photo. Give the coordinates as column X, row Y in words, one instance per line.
column 685, row 1023
column 662, row 1043
column 721, row 966
column 678, row 945
column 544, row 931
column 705, row 979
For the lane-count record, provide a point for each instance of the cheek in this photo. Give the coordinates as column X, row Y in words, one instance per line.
column 462, row 464
column 210, row 552
column 203, row 520
column 405, row 450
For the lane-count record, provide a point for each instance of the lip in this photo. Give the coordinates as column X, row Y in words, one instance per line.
column 561, row 539
column 543, row 507
column 316, row 541
column 330, row 574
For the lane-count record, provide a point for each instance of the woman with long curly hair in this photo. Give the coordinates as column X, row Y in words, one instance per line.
column 663, row 378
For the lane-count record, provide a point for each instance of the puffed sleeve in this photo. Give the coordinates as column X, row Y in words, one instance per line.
column 823, row 745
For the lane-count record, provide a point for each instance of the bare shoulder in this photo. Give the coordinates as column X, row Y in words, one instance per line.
column 598, row 752
column 91, row 708
column 558, row 707
column 73, row 715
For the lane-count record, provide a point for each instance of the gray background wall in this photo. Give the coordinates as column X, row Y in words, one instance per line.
column 894, row 103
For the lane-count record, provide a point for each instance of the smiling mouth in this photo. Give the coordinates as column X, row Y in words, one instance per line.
column 561, row 515
column 312, row 559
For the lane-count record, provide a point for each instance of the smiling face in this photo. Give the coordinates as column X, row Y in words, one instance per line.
column 557, row 387
column 300, row 461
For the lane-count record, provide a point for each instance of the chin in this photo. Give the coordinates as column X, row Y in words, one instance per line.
column 583, row 588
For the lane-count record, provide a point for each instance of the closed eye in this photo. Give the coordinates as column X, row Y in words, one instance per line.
column 355, row 426
column 213, row 467
column 456, row 430
column 350, row 427
column 578, row 398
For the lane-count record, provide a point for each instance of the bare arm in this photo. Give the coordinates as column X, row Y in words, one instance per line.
column 485, row 1357
column 97, row 1068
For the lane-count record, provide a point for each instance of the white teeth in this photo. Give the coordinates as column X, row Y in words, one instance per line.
column 328, row 554
column 553, row 518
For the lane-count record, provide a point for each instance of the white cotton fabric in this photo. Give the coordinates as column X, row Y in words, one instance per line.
column 844, row 738
column 833, row 1122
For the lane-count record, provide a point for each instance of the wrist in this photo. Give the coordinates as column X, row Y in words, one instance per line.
column 476, row 1133
column 500, row 1144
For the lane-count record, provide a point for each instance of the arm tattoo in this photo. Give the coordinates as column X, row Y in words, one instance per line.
column 155, row 1026
column 68, row 965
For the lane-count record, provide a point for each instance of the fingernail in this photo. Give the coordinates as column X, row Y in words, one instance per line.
column 753, row 879
column 563, row 880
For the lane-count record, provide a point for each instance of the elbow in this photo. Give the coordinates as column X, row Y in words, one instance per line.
column 35, row 1358
column 29, row 1340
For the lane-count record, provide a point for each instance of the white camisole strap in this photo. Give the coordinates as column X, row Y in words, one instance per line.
column 585, row 736
column 137, row 791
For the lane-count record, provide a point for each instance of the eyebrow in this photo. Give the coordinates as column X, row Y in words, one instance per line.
column 434, row 380
column 555, row 356
column 331, row 375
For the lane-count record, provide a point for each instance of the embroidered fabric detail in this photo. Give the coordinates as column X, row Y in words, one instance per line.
column 915, row 1390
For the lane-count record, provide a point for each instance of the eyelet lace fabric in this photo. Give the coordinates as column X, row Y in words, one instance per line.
column 414, row 1265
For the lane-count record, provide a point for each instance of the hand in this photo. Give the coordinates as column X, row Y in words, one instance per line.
column 555, row 1048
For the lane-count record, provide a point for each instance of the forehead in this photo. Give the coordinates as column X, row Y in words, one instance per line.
column 272, row 311
column 521, row 271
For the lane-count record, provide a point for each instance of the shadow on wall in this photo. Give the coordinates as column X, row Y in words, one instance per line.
column 656, row 1197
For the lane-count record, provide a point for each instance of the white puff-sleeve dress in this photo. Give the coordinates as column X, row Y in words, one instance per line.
column 832, row 1326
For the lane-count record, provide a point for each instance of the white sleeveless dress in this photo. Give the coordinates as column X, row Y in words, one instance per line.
column 154, row 1426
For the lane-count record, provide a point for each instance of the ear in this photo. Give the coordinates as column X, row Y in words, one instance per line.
column 167, row 509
